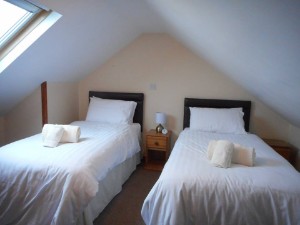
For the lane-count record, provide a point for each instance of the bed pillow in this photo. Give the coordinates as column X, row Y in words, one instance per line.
column 217, row 120
column 111, row 111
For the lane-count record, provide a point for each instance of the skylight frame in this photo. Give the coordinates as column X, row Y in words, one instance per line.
column 25, row 37
column 31, row 12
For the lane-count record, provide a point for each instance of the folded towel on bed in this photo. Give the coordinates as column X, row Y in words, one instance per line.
column 241, row 154
column 71, row 133
column 222, row 154
column 53, row 136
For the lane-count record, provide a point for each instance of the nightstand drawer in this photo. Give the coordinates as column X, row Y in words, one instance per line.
column 156, row 142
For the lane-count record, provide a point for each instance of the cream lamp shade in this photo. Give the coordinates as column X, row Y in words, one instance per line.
column 160, row 118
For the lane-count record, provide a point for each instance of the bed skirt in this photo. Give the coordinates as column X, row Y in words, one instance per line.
column 109, row 187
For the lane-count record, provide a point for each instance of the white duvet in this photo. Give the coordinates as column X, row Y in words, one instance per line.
column 40, row 185
column 191, row 190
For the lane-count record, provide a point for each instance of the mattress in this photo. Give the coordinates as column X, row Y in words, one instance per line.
column 40, row 185
column 191, row 190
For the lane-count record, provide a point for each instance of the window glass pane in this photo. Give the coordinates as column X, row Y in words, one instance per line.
column 21, row 24
column 11, row 20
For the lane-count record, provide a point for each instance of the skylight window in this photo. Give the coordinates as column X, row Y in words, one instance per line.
column 14, row 16
column 21, row 23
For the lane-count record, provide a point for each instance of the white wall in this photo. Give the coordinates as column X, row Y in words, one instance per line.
column 62, row 102
column 25, row 119
column 175, row 72
column 2, row 131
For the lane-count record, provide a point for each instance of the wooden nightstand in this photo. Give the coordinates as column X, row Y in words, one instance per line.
column 282, row 148
column 157, row 149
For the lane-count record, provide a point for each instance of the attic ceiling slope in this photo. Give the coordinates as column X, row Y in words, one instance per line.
column 256, row 43
column 88, row 34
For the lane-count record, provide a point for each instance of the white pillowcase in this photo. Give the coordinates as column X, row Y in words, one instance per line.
column 111, row 111
column 217, row 120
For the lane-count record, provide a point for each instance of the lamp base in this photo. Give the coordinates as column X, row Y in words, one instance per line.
column 159, row 128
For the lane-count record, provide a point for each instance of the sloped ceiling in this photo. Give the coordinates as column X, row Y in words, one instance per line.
column 256, row 43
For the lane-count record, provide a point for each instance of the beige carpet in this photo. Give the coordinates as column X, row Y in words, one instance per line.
column 125, row 208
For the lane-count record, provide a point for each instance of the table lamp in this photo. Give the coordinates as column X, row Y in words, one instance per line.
column 160, row 119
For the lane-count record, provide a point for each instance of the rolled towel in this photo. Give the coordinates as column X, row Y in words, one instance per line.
column 243, row 155
column 71, row 133
column 222, row 154
column 52, row 136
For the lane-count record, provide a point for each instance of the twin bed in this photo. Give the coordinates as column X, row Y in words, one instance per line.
column 190, row 190
column 73, row 182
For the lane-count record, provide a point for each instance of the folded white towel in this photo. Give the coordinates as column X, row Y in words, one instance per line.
column 52, row 136
column 241, row 154
column 222, row 154
column 71, row 133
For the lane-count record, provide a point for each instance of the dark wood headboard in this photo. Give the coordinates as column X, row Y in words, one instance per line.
column 216, row 103
column 137, row 97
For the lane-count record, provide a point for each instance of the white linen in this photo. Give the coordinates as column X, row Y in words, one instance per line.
column 109, row 187
column 111, row 111
column 71, row 133
column 192, row 191
column 52, row 186
column 221, row 120
column 222, row 154
column 210, row 148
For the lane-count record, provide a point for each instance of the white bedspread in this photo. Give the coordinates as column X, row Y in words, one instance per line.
column 40, row 185
column 192, row 191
